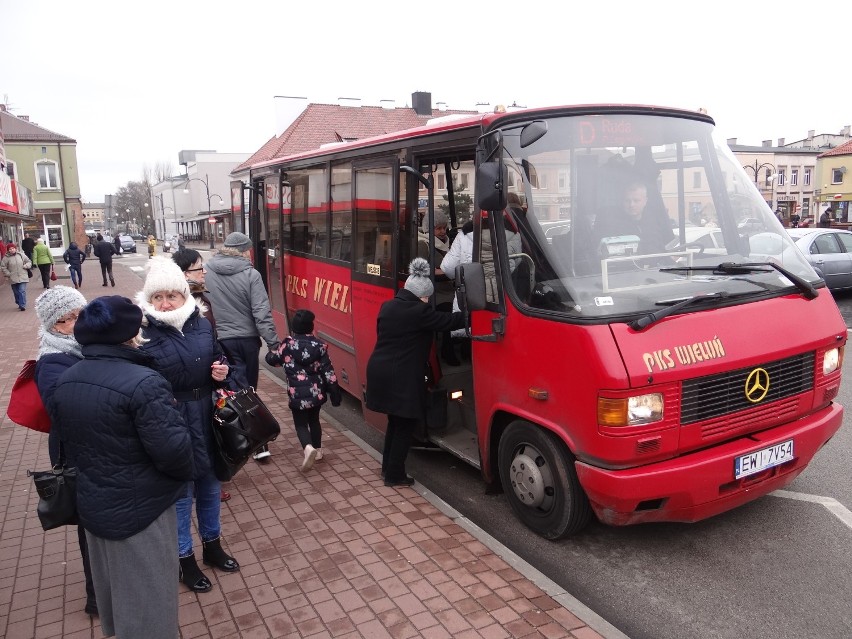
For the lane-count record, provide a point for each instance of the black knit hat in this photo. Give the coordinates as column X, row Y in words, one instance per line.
column 303, row 322
column 111, row 319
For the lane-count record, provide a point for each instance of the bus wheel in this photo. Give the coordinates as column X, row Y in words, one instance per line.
column 538, row 476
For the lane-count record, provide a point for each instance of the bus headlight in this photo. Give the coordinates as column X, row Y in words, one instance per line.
column 830, row 361
column 630, row 411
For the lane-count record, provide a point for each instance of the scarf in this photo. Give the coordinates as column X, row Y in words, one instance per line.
column 50, row 342
column 175, row 318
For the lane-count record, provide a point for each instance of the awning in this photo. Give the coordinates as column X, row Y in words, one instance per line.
column 203, row 217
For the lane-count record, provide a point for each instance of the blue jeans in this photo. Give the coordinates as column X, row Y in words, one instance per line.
column 207, row 492
column 20, row 293
column 76, row 270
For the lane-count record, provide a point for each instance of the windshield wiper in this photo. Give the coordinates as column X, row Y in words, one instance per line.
column 670, row 309
column 741, row 268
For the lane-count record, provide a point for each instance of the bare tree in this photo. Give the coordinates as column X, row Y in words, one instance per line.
column 132, row 204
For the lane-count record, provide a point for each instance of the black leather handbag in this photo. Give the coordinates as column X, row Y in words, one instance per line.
column 57, row 492
column 242, row 424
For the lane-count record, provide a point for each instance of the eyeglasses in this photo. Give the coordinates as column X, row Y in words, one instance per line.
column 72, row 318
column 193, row 270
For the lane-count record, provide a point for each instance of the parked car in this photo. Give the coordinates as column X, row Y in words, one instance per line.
column 137, row 236
column 829, row 251
column 128, row 244
column 705, row 239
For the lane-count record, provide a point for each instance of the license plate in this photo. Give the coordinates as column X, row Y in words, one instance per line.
column 746, row 465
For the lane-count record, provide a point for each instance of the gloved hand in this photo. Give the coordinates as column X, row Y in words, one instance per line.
column 273, row 358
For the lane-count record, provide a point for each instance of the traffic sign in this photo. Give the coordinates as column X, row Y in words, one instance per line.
column 211, row 220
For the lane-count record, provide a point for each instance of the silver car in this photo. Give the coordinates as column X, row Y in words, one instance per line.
column 829, row 251
column 128, row 244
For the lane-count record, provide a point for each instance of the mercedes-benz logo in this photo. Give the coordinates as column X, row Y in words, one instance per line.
column 757, row 385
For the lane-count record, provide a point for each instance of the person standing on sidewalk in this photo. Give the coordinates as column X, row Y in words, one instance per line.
column 104, row 251
column 27, row 246
column 44, row 260
column 243, row 314
column 310, row 382
column 133, row 453
column 57, row 310
column 405, row 330
column 192, row 264
column 116, row 243
column 185, row 352
column 74, row 258
column 15, row 266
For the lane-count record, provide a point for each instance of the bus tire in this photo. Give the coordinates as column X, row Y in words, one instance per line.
column 540, row 481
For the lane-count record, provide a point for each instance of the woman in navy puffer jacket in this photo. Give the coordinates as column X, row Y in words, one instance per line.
column 186, row 353
column 118, row 425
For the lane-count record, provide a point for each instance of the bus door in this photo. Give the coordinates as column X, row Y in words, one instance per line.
column 375, row 193
column 451, row 418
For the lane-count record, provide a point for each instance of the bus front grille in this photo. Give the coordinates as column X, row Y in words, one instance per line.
column 715, row 396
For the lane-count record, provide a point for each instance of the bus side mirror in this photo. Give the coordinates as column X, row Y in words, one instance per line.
column 491, row 186
column 470, row 282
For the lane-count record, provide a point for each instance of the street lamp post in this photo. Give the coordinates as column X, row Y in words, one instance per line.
column 755, row 169
column 206, row 183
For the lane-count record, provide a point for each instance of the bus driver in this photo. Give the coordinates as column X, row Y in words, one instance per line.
column 635, row 217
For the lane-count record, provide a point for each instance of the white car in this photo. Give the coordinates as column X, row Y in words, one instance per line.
column 705, row 239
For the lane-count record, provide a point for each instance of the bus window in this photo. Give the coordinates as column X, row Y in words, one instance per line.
column 309, row 207
column 373, row 223
column 340, row 242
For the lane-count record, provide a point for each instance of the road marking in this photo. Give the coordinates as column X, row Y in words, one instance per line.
column 834, row 507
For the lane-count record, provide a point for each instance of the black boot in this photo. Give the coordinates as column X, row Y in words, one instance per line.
column 191, row 575
column 216, row 557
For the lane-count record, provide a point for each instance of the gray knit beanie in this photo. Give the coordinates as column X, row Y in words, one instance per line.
column 56, row 302
column 419, row 282
column 238, row 241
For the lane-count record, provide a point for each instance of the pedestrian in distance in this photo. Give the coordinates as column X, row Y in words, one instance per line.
column 116, row 243
column 405, row 331
column 16, row 266
column 184, row 349
column 104, row 251
column 74, row 258
column 27, row 245
column 826, row 218
column 43, row 259
column 57, row 310
column 243, row 314
column 133, row 453
column 152, row 246
column 310, row 382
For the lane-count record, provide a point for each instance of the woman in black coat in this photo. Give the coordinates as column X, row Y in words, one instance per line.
column 405, row 329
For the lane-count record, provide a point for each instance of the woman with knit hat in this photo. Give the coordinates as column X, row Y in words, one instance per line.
column 185, row 352
column 57, row 310
column 405, row 329
column 133, row 453
column 15, row 265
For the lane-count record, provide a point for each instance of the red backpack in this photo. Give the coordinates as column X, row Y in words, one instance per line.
column 25, row 405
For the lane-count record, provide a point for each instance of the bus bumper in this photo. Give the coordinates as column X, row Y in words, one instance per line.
column 701, row 484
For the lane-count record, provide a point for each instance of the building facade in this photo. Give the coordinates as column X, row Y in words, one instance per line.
column 45, row 162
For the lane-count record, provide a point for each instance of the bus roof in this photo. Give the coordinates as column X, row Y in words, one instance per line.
column 482, row 121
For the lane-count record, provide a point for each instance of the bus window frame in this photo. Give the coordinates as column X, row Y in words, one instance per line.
column 385, row 162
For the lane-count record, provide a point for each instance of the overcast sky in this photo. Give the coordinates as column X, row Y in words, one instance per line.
column 136, row 82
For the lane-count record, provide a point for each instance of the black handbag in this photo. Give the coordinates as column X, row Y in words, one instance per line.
column 242, row 424
column 57, row 492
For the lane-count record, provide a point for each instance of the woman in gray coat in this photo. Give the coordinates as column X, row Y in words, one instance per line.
column 15, row 266
column 405, row 329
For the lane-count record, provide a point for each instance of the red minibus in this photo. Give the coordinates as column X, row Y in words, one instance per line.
column 631, row 366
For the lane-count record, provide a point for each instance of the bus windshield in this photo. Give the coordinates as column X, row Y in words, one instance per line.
column 620, row 214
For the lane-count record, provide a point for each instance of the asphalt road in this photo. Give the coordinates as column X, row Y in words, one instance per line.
column 777, row 568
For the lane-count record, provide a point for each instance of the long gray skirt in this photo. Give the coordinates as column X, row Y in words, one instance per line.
column 136, row 581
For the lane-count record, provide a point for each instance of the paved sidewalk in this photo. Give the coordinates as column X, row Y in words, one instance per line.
column 329, row 553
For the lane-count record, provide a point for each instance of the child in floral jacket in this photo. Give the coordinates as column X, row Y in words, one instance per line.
column 311, row 382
